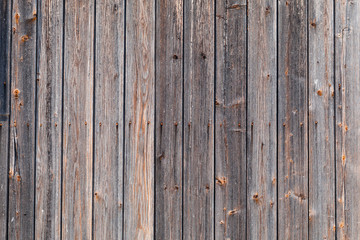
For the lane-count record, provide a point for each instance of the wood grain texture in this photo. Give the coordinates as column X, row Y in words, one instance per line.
column 199, row 120
column 292, row 120
column 139, row 120
column 5, row 46
column 321, row 120
column 22, row 139
column 78, row 120
column 261, row 122
column 230, row 141
column 347, row 87
column 49, row 120
column 169, row 124
column 109, row 100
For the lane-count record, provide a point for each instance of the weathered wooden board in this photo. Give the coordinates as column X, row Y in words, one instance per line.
column 78, row 123
column 292, row 120
column 109, row 100
column 261, row 121
column 347, row 87
column 169, row 119
column 139, row 122
column 5, row 33
column 49, row 120
column 22, row 139
column 321, row 120
column 230, row 129
column 199, row 98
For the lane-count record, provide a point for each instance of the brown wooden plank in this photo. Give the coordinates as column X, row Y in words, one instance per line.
column 5, row 46
column 230, row 142
column 347, row 89
column 49, row 120
column 261, row 122
column 199, row 120
column 321, row 120
column 169, row 124
column 22, row 139
column 78, row 120
column 139, row 120
column 292, row 120
column 109, row 95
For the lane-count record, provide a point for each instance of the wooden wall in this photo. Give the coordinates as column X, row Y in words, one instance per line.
column 179, row 119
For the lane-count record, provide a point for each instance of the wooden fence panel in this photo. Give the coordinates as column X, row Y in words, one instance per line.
column 49, row 120
column 22, row 132
column 77, row 194
column 169, row 119
column 230, row 129
column 139, row 120
column 292, row 120
column 347, row 90
column 5, row 46
column 109, row 115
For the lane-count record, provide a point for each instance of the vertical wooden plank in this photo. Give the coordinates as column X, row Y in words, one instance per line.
column 347, row 37
column 78, row 120
column 109, row 100
column 292, row 120
column 169, row 87
column 261, row 124
column 230, row 142
column 321, row 120
column 199, row 120
column 5, row 46
column 49, row 102
column 139, row 120
column 22, row 140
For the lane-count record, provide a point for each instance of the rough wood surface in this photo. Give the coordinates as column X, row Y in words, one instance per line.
column 347, row 87
column 230, row 129
column 321, row 120
column 109, row 100
column 139, row 120
column 5, row 46
column 199, row 119
column 261, row 122
column 49, row 120
column 78, row 120
column 169, row 124
column 22, row 139
column 292, row 120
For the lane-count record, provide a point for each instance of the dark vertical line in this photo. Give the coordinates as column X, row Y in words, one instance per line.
column 277, row 119
column 124, row 116
column 93, row 129
column 183, row 119
column 155, row 70
column 246, row 114
column 62, row 117
column 308, row 113
column 214, row 116
column 9, row 117
column 37, row 58
column 334, row 84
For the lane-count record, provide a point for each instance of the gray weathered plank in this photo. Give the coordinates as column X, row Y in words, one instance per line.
column 199, row 120
column 169, row 124
column 109, row 100
column 230, row 129
column 261, row 122
column 347, row 87
column 321, row 120
column 49, row 120
column 139, row 120
column 5, row 46
column 78, row 120
column 22, row 139
column 292, row 120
